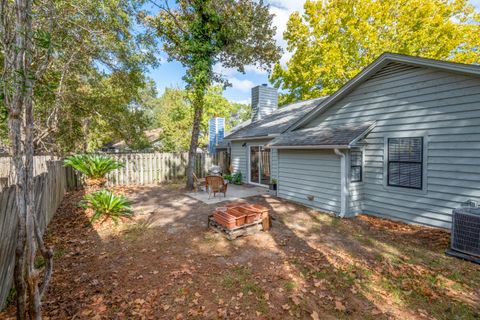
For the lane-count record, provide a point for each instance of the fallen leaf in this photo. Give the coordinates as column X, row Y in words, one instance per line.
column 314, row 315
column 286, row 306
column 339, row 306
column 296, row 300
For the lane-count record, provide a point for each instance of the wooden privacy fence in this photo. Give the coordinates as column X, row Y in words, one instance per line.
column 39, row 166
column 50, row 187
column 154, row 168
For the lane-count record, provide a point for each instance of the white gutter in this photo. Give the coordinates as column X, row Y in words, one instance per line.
column 310, row 147
column 270, row 136
column 343, row 182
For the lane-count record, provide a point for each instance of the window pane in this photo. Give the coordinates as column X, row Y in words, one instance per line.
column 356, row 165
column 356, row 158
column 405, row 149
column 405, row 174
column 405, row 162
column 356, row 174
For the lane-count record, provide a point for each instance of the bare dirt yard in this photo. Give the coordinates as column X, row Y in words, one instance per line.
column 165, row 264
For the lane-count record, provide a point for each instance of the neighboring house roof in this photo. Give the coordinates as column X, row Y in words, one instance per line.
column 371, row 69
column 324, row 136
column 277, row 122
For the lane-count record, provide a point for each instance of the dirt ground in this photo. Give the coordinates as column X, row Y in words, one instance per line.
column 165, row 264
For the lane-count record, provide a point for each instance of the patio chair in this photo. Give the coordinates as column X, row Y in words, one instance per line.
column 199, row 183
column 216, row 184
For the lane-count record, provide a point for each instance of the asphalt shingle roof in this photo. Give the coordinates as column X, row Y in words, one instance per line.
column 325, row 135
column 277, row 122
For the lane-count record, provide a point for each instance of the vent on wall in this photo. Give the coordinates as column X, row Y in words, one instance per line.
column 465, row 242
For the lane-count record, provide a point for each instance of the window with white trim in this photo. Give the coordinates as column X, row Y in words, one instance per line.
column 405, row 162
column 356, row 163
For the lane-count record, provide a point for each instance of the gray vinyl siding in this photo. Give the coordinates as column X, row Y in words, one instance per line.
column 304, row 173
column 442, row 107
column 274, row 164
column 239, row 156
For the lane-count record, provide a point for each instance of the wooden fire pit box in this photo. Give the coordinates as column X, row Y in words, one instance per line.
column 255, row 218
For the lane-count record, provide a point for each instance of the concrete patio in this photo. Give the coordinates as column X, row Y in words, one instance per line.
column 234, row 192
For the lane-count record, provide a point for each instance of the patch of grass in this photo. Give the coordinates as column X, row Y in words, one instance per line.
column 392, row 289
column 210, row 237
column 335, row 222
column 346, row 277
column 133, row 232
column 304, row 270
column 365, row 240
column 241, row 278
column 12, row 297
column 39, row 262
column 60, row 252
column 319, row 274
column 290, row 286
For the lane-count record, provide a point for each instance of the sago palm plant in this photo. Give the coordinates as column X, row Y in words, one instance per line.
column 94, row 167
column 106, row 205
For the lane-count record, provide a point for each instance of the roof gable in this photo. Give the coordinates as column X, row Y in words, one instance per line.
column 376, row 68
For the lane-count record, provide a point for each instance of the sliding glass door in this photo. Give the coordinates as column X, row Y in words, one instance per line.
column 259, row 165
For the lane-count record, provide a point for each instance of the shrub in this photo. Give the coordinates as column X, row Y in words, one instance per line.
column 107, row 205
column 228, row 177
column 93, row 166
column 237, row 178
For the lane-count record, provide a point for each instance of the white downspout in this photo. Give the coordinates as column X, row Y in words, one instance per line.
column 343, row 182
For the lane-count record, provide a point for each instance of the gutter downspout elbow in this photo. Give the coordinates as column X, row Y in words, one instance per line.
column 343, row 182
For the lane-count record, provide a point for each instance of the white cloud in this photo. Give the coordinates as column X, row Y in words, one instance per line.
column 230, row 72
column 241, row 85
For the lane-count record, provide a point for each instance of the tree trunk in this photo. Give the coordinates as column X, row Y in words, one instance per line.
column 197, row 119
column 18, row 77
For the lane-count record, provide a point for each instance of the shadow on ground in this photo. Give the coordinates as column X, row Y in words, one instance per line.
column 166, row 264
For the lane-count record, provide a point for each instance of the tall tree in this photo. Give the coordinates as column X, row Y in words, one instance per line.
column 26, row 52
column 173, row 113
column 202, row 33
column 97, row 71
column 335, row 39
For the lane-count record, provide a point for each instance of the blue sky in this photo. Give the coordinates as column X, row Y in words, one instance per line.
column 170, row 74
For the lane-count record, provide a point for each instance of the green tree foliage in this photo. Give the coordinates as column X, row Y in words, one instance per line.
column 202, row 33
column 173, row 113
column 335, row 39
column 93, row 90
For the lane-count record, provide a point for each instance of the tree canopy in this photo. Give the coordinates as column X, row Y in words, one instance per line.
column 202, row 33
column 173, row 113
column 335, row 39
column 94, row 86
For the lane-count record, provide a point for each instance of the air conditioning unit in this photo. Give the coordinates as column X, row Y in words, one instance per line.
column 465, row 237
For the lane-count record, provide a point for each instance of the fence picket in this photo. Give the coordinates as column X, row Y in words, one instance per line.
column 49, row 188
